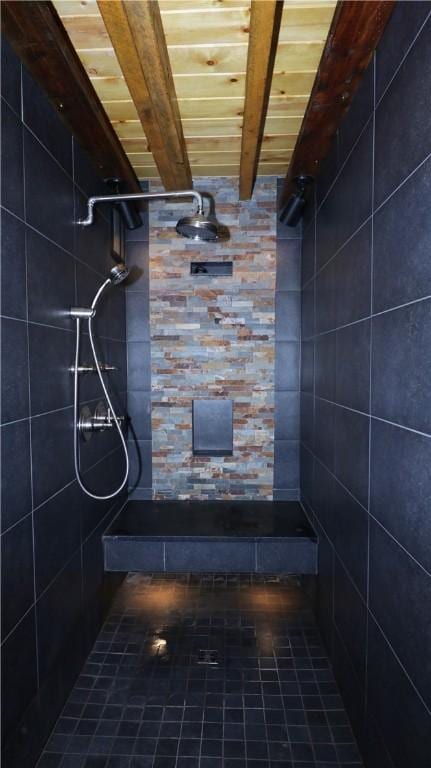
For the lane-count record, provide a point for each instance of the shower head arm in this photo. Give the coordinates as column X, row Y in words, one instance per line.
column 92, row 201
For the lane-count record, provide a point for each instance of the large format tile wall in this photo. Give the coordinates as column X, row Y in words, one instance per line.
column 213, row 337
column 366, row 396
column 53, row 589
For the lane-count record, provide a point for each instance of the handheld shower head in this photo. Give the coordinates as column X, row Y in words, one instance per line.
column 197, row 227
column 118, row 273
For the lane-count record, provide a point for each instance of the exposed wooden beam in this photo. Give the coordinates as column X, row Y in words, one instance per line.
column 264, row 29
column 136, row 32
column 354, row 35
column 38, row 37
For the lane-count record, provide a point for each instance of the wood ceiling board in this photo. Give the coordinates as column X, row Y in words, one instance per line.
column 233, row 85
column 37, row 34
column 87, row 32
column 137, row 36
column 298, row 57
column 111, row 88
column 206, row 59
column 121, row 110
column 264, row 28
column 224, row 25
column 101, row 63
column 194, row 6
column 355, row 33
column 212, row 109
column 76, row 8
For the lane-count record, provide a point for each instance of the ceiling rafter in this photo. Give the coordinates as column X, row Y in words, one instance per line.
column 136, row 32
column 264, row 30
column 38, row 37
column 355, row 32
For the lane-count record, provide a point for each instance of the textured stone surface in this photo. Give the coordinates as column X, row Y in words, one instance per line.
column 214, row 337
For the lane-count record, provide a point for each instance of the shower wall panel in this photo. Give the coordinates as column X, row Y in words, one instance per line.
column 214, row 337
column 54, row 592
column 366, row 398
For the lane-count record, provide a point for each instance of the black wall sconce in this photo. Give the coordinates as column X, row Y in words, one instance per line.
column 292, row 212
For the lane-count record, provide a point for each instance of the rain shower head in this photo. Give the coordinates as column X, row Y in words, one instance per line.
column 118, row 273
column 197, row 227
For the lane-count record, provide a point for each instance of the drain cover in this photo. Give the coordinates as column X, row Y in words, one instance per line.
column 207, row 656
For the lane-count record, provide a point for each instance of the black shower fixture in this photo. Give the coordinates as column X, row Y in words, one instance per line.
column 128, row 210
column 294, row 208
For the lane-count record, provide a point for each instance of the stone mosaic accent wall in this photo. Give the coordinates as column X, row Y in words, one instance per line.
column 214, row 337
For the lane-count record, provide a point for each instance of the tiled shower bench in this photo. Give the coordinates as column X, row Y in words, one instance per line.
column 211, row 536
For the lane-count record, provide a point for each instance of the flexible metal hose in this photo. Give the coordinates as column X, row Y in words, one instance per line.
column 108, row 400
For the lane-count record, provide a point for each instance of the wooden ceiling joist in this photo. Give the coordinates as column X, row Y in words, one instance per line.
column 355, row 32
column 39, row 39
column 138, row 39
column 264, row 30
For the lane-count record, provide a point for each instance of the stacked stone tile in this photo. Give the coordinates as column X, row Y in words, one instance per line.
column 214, row 337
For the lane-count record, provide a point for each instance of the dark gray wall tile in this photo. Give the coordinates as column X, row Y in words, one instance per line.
column 307, row 419
column 140, row 455
column 14, row 371
column 12, row 179
column 50, row 282
column 286, row 557
column 17, row 573
column 51, row 355
column 19, row 676
column 351, row 452
column 42, row 119
column 308, row 319
column 308, row 254
column 323, row 498
column 353, row 366
column 353, row 278
column 325, row 366
column 350, row 688
column 403, row 26
column 405, row 728
column 401, row 266
column 48, row 194
column 137, row 258
column 401, row 366
column 348, row 204
column 404, row 136
column 287, row 315
column 52, row 455
column 56, row 534
column 92, row 245
column 400, row 587
column 10, row 76
column 324, row 432
column 286, row 415
column 287, row 356
column 15, row 464
column 13, row 266
column 139, row 408
column 307, row 366
column 325, row 589
column 286, row 464
column 351, row 536
column 139, row 365
column 138, row 321
column 326, row 299
column 359, row 112
column 52, row 633
column 401, row 486
column 350, row 616
column 132, row 555
column 288, row 275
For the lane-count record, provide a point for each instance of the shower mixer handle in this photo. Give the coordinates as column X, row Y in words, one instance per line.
column 104, row 367
column 101, row 419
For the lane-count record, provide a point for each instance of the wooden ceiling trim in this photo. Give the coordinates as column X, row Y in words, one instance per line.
column 37, row 35
column 355, row 33
column 264, row 28
column 137, row 35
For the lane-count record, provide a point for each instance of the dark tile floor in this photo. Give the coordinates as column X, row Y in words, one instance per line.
column 146, row 700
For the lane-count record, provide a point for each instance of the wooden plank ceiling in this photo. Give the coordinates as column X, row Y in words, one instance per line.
column 207, row 44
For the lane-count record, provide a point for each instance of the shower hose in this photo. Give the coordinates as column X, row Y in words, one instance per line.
column 108, row 400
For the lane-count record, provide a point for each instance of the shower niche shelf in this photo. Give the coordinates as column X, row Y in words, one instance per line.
column 211, row 536
column 211, row 268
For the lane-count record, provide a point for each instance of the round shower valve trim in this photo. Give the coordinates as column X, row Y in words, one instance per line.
column 101, row 419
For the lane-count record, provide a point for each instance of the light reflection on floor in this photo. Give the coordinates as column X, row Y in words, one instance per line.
column 147, row 699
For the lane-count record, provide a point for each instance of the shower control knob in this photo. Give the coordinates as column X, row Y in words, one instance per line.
column 99, row 421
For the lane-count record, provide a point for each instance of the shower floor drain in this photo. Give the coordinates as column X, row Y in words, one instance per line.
column 207, row 656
